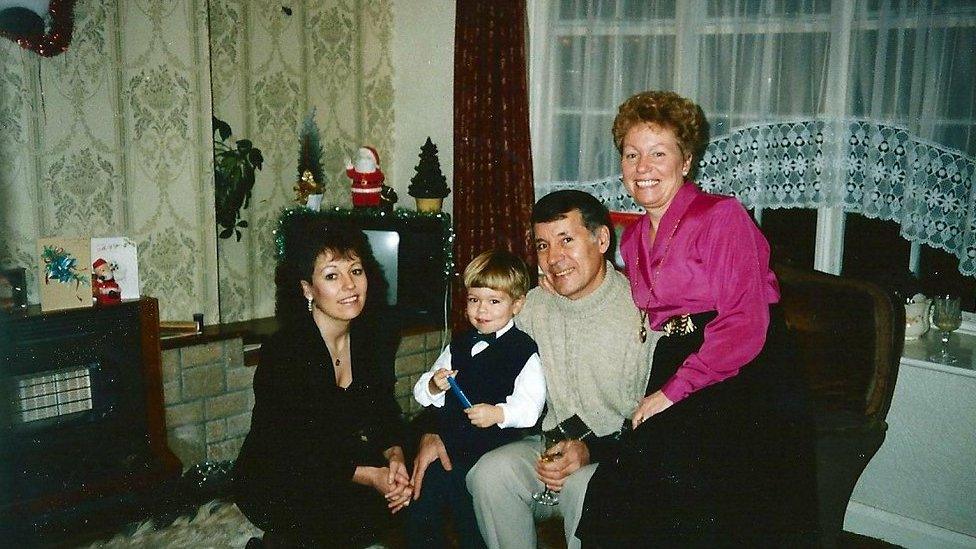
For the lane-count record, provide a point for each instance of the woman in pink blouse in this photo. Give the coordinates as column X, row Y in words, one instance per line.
column 723, row 427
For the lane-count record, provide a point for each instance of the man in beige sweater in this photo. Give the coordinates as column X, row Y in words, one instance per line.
column 596, row 368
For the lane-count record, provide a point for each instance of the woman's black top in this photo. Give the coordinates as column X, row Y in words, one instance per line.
column 294, row 472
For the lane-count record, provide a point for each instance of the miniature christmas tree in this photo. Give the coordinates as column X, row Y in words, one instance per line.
column 310, row 175
column 429, row 182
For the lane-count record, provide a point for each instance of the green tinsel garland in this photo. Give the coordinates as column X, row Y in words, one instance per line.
column 369, row 213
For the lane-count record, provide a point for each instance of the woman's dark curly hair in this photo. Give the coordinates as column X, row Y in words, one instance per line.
column 307, row 237
column 666, row 109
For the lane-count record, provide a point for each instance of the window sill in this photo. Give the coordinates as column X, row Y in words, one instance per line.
column 962, row 344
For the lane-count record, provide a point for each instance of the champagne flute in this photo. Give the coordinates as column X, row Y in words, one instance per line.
column 946, row 317
column 547, row 496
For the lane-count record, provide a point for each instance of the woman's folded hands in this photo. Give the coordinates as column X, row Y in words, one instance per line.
column 392, row 480
column 398, row 490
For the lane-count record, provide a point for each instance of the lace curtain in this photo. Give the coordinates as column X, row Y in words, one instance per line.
column 867, row 106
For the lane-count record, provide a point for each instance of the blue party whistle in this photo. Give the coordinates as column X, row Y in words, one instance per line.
column 459, row 393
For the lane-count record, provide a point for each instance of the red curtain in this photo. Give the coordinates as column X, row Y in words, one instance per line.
column 493, row 193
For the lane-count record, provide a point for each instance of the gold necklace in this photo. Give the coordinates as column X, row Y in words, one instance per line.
column 647, row 303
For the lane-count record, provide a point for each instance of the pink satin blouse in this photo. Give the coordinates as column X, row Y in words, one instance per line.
column 708, row 255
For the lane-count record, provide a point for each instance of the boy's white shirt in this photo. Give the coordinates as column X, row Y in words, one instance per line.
column 520, row 409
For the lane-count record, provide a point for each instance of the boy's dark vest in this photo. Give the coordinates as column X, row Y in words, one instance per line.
column 487, row 377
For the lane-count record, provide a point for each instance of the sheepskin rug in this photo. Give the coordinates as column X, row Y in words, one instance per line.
column 216, row 525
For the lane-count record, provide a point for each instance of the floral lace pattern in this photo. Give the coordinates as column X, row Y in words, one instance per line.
column 871, row 168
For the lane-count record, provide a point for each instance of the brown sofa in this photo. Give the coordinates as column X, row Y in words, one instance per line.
column 849, row 336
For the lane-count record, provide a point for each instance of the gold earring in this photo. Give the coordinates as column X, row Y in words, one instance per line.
column 309, row 304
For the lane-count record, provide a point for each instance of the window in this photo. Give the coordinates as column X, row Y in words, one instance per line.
column 792, row 234
column 866, row 110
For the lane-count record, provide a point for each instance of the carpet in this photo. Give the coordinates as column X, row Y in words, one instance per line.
column 216, row 524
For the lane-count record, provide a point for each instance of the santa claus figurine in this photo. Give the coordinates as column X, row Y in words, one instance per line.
column 367, row 179
column 105, row 290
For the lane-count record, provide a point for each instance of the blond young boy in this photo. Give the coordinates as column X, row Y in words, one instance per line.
column 497, row 367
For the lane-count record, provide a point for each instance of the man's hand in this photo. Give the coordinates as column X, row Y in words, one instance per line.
column 485, row 415
column 655, row 403
column 573, row 455
column 438, row 382
column 431, row 449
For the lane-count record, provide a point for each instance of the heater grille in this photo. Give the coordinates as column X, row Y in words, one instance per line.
column 54, row 393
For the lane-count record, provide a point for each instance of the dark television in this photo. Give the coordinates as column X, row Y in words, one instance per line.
column 413, row 252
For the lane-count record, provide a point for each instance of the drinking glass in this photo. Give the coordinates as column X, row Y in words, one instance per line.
column 946, row 317
column 547, row 496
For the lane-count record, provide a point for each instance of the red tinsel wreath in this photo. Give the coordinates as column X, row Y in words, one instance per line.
column 57, row 40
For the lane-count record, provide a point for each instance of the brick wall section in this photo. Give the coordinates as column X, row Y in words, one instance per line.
column 415, row 356
column 207, row 390
column 208, row 396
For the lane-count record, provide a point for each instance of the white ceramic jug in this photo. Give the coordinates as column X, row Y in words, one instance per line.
column 917, row 316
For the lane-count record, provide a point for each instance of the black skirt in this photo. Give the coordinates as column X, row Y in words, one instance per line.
column 730, row 465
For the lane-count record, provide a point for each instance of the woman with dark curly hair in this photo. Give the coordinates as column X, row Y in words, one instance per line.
column 720, row 452
column 324, row 448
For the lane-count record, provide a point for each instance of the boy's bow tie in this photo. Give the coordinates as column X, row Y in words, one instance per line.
column 478, row 336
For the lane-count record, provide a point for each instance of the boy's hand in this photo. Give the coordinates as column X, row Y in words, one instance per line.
column 438, row 382
column 485, row 415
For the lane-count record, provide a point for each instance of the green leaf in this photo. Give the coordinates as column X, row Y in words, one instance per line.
column 221, row 127
column 233, row 179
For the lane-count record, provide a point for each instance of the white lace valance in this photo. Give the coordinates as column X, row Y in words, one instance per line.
column 874, row 169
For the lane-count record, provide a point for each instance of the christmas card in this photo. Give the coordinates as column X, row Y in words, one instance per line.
column 122, row 260
column 64, row 273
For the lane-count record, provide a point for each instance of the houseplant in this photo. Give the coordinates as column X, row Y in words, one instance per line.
column 233, row 178
column 428, row 186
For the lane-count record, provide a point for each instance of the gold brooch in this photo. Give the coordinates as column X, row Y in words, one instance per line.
column 679, row 325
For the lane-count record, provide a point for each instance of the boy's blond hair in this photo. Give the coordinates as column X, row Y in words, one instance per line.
column 499, row 270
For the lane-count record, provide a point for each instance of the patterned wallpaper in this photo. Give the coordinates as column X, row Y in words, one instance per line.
column 269, row 70
column 113, row 137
